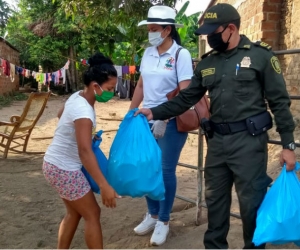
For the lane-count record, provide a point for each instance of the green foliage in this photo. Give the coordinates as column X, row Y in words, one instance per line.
column 45, row 30
column 4, row 13
column 188, row 38
column 6, row 100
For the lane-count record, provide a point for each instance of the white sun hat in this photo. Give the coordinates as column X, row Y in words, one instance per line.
column 162, row 15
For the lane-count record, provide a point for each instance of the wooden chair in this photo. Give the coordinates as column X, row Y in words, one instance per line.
column 16, row 133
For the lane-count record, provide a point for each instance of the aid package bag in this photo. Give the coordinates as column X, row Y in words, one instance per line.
column 101, row 159
column 134, row 167
column 278, row 218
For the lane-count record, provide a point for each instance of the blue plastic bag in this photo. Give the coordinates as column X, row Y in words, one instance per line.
column 278, row 218
column 135, row 167
column 101, row 159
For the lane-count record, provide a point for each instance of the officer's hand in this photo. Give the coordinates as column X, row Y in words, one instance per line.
column 145, row 112
column 159, row 129
column 289, row 157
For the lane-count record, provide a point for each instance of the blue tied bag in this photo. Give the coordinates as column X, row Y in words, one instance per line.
column 278, row 218
column 101, row 159
column 135, row 164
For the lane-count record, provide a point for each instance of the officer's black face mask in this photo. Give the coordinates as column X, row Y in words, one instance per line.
column 216, row 42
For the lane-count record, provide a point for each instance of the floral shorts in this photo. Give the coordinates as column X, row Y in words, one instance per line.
column 71, row 185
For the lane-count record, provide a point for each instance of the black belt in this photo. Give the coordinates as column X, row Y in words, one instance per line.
column 229, row 128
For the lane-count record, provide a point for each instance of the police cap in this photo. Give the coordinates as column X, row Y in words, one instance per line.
column 217, row 15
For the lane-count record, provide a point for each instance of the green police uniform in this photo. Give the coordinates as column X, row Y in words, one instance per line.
column 236, row 93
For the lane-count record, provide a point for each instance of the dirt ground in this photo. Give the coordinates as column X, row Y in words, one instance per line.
column 30, row 210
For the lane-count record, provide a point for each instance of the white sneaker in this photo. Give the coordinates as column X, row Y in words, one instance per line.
column 146, row 226
column 160, row 234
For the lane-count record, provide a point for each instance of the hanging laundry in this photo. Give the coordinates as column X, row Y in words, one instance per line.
column 137, row 68
column 67, row 65
column 20, row 70
column 118, row 69
column 44, row 78
column 132, row 70
column 24, row 72
column 122, row 88
column 3, row 66
column 12, row 72
column 63, row 74
column 7, row 69
column 125, row 69
column 37, row 77
column 56, row 77
column 53, row 78
column 49, row 78
column 27, row 73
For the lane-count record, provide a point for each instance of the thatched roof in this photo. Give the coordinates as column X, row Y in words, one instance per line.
column 42, row 28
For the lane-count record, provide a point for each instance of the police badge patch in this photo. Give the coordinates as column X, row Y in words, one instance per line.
column 246, row 62
column 275, row 64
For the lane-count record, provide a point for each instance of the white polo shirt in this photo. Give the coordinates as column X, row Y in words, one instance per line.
column 159, row 73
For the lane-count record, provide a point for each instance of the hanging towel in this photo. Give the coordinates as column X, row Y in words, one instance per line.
column 7, row 69
column 12, row 72
column 125, row 69
column 119, row 70
column 63, row 74
column 132, row 70
column 67, row 65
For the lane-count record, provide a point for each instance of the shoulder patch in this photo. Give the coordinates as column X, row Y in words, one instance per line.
column 275, row 64
column 263, row 45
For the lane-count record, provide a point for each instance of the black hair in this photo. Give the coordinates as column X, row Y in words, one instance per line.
column 100, row 69
column 236, row 23
column 173, row 34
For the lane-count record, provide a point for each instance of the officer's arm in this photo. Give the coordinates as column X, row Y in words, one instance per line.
column 278, row 99
column 183, row 101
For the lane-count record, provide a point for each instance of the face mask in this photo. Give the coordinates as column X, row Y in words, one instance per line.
column 155, row 38
column 104, row 97
column 216, row 42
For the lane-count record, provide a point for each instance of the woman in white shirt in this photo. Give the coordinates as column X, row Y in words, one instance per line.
column 161, row 74
column 72, row 147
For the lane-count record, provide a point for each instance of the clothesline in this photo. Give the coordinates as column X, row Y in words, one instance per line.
column 10, row 70
column 121, row 70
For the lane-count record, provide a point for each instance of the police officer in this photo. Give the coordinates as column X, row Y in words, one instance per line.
column 239, row 75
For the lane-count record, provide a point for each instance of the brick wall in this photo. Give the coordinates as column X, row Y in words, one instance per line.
column 12, row 55
column 289, row 39
column 260, row 19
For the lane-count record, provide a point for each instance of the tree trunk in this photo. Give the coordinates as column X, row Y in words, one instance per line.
column 77, row 85
column 68, row 75
column 72, row 69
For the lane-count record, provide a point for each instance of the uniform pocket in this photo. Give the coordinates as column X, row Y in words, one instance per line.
column 261, row 183
column 209, row 83
column 242, row 80
column 262, row 140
